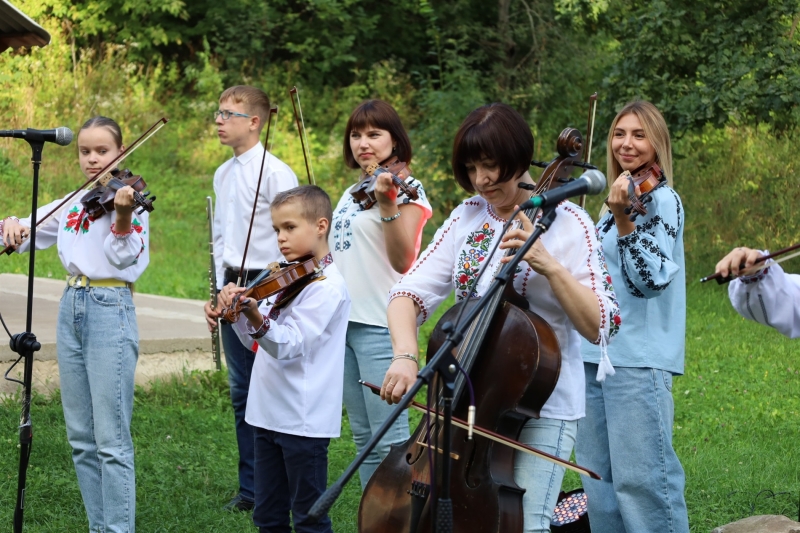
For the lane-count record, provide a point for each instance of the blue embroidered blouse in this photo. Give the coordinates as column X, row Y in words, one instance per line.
column 647, row 268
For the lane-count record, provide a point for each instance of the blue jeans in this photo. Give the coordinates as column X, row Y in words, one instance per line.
column 97, row 341
column 626, row 438
column 239, row 360
column 541, row 479
column 292, row 474
column 367, row 356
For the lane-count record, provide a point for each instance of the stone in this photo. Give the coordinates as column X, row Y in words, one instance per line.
column 761, row 524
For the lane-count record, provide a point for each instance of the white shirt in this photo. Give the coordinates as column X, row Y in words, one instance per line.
column 358, row 245
column 461, row 247
column 297, row 380
column 235, row 184
column 771, row 297
column 87, row 247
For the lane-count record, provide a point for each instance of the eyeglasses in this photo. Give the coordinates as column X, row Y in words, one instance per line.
column 228, row 114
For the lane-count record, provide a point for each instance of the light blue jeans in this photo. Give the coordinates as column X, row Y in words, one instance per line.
column 367, row 356
column 541, row 479
column 98, row 346
column 626, row 438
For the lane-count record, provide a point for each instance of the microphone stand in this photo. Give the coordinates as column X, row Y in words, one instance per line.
column 445, row 364
column 25, row 344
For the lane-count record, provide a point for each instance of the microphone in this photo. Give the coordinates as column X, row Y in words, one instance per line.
column 590, row 182
column 62, row 135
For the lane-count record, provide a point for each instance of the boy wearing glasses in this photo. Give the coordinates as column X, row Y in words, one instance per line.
column 243, row 112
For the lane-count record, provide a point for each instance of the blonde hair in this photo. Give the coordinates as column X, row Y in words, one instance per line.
column 256, row 101
column 656, row 132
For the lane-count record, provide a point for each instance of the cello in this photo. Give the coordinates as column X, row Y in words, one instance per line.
column 513, row 381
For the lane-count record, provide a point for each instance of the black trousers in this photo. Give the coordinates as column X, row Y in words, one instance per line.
column 291, row 473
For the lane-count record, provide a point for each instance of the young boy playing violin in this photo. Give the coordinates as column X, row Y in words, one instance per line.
column 243, row 112
column 295, row 397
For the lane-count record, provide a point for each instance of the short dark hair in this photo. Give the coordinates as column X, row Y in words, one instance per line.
column 495, row 131
column 377, row 114
column 314, row 203
column 105, row 122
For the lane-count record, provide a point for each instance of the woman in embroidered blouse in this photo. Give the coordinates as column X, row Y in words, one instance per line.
column 560, row 277
column 373, row 248
column 626, row 436
column 97, row 339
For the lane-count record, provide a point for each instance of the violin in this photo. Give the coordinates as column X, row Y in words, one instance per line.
column 100, row 200
column 277, row 277
column 648, row 178
column 364, row 191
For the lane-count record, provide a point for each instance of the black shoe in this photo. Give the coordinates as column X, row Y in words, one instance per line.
column 239, row 504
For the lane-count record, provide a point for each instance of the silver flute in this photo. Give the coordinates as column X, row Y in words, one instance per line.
column 212, row 284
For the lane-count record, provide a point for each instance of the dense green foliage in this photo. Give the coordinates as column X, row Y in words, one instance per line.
column 710, row 62
column 735, row 431
column 724, row 73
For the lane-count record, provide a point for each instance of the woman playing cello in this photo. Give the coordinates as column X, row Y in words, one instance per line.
column 562, row 278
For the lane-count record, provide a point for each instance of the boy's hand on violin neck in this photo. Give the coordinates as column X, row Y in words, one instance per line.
column 225, row 296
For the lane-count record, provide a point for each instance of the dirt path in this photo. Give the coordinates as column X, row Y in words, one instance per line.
column 151, row 366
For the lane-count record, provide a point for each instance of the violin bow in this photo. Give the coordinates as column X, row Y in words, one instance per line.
column 587, row 151
column 294, row 94
column 103, row 176
column 273, row 111
column 757, row 267
column 496, row 437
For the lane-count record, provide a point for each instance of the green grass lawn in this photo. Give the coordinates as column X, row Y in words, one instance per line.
column 737, row 432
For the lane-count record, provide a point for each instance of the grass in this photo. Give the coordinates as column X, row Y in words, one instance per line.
column 736, row 432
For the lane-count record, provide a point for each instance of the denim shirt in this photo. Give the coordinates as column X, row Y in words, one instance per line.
column 647, row 269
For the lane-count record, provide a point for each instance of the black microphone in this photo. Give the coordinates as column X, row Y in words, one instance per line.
column 62, row 135
column 590, row 182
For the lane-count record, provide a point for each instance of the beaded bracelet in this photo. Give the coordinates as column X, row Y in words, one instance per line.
column 405, row 356
column 389, row 219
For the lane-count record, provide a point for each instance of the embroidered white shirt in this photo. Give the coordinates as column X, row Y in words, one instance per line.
column 771, row 297
column 297, row 380
column 235, row 184
column 357, row 243
column 87, row 247
column 461, row 247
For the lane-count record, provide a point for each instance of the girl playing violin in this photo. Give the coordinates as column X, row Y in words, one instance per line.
column 373, row 247
column 769, row 296
column 97, row 339
column 626, row 436
column 561, row 278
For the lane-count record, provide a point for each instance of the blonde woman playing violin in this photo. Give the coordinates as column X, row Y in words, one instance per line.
column 626, row 436
column 373, row 248
column 769, row 296
column 97, row 339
